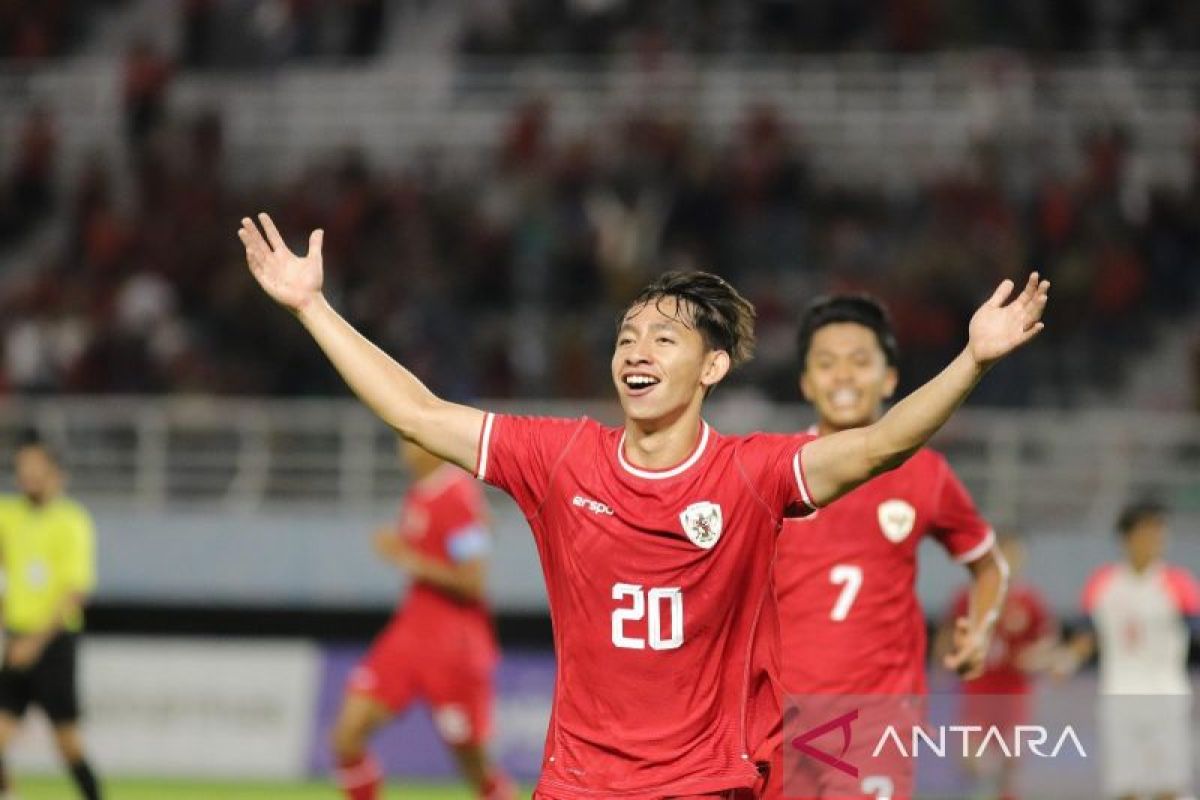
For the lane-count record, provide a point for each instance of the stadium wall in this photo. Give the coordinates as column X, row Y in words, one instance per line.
column 324, row 561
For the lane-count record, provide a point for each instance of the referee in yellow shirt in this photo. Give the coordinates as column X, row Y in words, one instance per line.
column 47, row 552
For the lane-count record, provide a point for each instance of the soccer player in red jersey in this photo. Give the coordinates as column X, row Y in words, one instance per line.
column 845, row 577
column 656, row 538
column 439, row 646
column 1023, row 642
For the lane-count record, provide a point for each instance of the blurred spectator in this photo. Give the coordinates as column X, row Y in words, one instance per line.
column 32, row 30
column 199, row 19
column 147, row 76
column 264, row 33
column 27, row 193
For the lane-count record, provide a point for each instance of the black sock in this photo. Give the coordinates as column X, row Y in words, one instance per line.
column 85, row 780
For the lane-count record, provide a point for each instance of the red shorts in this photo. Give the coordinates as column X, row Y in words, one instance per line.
column 455, row 681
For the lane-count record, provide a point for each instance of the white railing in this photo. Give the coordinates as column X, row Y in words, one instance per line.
column 1058, row 471
column 864, row 119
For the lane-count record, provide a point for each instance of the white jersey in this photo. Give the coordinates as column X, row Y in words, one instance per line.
column 1141, row 627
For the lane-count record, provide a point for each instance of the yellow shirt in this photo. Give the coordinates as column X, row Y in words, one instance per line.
column 47, row 553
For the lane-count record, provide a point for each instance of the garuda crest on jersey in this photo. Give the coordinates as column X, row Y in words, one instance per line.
column 896, row 520
column 702, row 523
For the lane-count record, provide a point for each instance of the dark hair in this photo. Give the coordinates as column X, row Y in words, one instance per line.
column 860, row 309
column 1138, row 512
column 709, row 304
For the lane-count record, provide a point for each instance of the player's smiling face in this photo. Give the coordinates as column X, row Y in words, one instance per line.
column 846, row 375
column 661, row 363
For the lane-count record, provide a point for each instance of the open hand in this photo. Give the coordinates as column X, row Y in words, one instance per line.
column 292, row 281
column 1000, row 327
column 970, row 650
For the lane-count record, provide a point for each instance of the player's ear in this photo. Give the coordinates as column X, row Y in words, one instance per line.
column 890, row 381
column 716, row 366
column 806, row 388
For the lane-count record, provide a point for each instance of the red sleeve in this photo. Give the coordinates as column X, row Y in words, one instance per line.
column 955, row 521
column 1184, row 590
column 772, row 465
column 518, row 454
column 1095, row 586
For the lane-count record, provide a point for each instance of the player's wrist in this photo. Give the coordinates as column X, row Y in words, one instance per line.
column 312, row 308
column 977, row 364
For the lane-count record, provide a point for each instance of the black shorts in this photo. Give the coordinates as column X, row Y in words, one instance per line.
column 48, row 684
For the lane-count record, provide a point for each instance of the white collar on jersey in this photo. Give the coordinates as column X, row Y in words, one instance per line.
column 666, row 473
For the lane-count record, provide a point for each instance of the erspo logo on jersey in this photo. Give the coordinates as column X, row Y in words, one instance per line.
column 874, row 746
column 594, row 506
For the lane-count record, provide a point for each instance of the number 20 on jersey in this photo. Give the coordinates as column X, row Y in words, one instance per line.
column 638, row 622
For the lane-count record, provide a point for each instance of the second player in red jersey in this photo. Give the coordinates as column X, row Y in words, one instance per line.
column 1002, row 696
column 1024, row 633
column 439, row 647
column 845, row 577
column 654, row 619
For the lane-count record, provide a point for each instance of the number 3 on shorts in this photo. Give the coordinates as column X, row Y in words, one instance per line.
column 637, row 610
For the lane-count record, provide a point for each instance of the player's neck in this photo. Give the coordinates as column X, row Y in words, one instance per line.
column 41, row 500
column 661, row 446
column 1142, row 567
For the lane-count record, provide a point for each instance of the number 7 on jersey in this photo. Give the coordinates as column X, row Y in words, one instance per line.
column 850, row 578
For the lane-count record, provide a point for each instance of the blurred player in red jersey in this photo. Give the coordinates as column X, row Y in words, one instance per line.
column 1023, row 643
column 845, row 577
column 656, row 538
column 439, row 646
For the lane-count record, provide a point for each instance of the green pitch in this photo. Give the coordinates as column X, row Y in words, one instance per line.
column 131, row 789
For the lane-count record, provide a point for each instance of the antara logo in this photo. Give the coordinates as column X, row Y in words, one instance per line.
column 1025, row 739
column 594, row 506
column 976, row 741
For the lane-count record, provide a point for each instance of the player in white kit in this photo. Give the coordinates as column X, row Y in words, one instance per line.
column 1142, row 613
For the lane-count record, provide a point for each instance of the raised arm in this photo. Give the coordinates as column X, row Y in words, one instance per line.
column 835, row 464
column 447, row 430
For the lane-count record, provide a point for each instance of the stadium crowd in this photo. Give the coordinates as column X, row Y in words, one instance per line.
column 543, row 243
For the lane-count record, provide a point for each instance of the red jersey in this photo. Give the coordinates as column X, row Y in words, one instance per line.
column 1024, row 621
column 659, row 585
column 444, row 517
column 846, row 578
